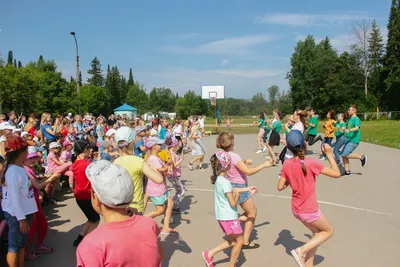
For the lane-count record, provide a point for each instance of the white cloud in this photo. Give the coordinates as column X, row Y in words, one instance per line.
column 239, row 83
column 225, row 62
column 307, row 20
column 229, row 46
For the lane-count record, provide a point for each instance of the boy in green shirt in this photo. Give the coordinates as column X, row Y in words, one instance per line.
column 353, row 133
column 313, row 129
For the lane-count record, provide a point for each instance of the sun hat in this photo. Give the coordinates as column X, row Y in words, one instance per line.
column 111, row 183
column 54, row 145
column 66, row 143
column 32, row 152
column 125, row 135
column 6, row 126
column 140, row 129
column 223, row 158
column 15, row 143
column 152, row 141
column 110, row 132
column 106, row 144
column 294, row 139
column 81, row 145
column 174, row 142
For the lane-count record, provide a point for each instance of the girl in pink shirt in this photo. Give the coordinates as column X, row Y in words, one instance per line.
column 158, row 193
column 66, row 156
column 300, row 173
column 237, row 175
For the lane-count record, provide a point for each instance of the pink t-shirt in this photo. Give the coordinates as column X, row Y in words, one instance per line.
column 176, row 172
column 234, row 174
column 66, row 156
column 133, row 243
column 304, row 199
column 51, row 163
column 153, row 189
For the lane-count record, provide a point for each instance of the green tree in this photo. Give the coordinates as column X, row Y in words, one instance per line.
column 273, row 93
column 131, row 81
column 190, row 104
column 113, row 86
column 95, row 73
column 391, row 66
column 162, row 99
column 19, row 64
column 376, row 87
column 15, row 63
column 93, row 99
column 137, row 97
column 10, row 58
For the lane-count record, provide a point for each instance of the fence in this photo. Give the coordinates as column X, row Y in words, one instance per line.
column 387, row 115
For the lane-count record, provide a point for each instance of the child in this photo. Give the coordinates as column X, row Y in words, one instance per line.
column 66, row 157
column 18, row 202
column 158, row 193
column 228, row 123
column 113, row 191
column 55, row 165
column 340, row 138
column 226, row 199
column 140, row 149
column 39, row 224
column 300, row 173
column 174, row 176
column 329, row 130
column 107, row 150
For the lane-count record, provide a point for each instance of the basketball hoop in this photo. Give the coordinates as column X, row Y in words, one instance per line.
column 213, row 101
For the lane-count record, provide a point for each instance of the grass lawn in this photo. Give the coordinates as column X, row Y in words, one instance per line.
column 380, row 132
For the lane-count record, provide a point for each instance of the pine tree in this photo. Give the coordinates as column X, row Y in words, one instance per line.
column 392, row 59
column 96, row 74
column 15, row 63
column 375, row 46
column 19, row 64
column 10, row 58
column 130, row 80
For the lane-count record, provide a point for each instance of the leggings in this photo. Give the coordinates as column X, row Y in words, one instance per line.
column 179, row 189
column 39, row 226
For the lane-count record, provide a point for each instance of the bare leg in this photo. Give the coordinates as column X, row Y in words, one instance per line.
column 251, row 212
column 354, row 156
column 201, row 162
column 237, row 247
column 12, row 259
column 168, row 213
column 145, row 200
column 224, row 245
column 158, row 212
column 272, row 153
column 346, row 163
column 197, row 158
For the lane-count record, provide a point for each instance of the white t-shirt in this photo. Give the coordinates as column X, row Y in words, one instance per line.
column 2, row 139
column 178, row 130
column 201, row 123
column 18, row 195
column 299, row 126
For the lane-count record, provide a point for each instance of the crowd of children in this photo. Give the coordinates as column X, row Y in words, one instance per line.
column 115, row 167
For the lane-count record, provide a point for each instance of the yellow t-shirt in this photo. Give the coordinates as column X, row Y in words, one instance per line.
column 134, row 166
column 330, row 129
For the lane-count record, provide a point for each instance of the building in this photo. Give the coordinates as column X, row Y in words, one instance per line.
column 126, row 112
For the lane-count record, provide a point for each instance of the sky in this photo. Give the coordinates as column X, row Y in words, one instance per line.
column 244, row 45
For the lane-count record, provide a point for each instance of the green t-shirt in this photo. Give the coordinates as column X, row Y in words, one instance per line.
column 223, row 210
column 262, row 123
column 277, row 126
column 354, row 136
column 286, row 131
column 314, row 121
column 266, row 127
column 340, row 125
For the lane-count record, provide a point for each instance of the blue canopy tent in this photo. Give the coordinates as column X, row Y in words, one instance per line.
column 126, row 111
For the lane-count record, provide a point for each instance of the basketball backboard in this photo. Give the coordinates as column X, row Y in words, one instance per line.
column 213, row 91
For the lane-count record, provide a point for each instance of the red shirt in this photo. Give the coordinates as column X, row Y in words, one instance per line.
column 64, row 132
column 304, row 199
column 83, row 188
column 133, row 243
column 32, row 131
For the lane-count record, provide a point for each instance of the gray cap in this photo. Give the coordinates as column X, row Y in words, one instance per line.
column 139, row 129
column 106, row 144
column 111, row 183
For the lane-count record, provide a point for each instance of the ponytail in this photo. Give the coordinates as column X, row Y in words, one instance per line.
column 216, row 168
column 301, row 154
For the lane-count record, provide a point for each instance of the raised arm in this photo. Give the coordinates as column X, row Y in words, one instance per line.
column 243, row 167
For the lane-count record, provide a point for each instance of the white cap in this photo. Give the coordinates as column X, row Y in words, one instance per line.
column 124, row 134
column 54, row 145
column 111, row 183
column 24, row 133
column 70, row 114
column 17, row 130
column 111, row 132
column 6, row 126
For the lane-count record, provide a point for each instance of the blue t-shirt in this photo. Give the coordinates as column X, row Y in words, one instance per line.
column 163, row 133
column 106, row 156
column 47, row 135
column 137, row 150
column 100, row 129
column 223, row 210
column 79, row 127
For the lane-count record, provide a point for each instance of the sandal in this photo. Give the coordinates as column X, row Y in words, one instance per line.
column 298, row 256
column 248, row 246
column 45, row 249
column 30, row 256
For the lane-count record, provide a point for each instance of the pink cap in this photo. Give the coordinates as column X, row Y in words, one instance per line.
column 66, row 143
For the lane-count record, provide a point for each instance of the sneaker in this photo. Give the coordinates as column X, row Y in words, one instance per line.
column 347, row 173
column 364, row 159
column 267, row 157
column 259, row 151
column 322, row 158
column 190, row 167
column 264, row 148
column 208, row 261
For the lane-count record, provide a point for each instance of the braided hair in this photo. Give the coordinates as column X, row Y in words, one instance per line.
column 216, row 168
column 299, row 152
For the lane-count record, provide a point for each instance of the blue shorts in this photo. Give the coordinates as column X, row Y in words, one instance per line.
column 244, row 196
column 16, row 240
column 160, row 200
column 348, row 148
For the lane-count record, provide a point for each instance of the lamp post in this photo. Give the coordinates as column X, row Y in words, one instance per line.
column 77, row 72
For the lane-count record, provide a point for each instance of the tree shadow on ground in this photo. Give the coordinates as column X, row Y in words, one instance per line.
column 286, row 239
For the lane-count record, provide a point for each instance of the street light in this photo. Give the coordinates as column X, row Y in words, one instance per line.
column 77, row 72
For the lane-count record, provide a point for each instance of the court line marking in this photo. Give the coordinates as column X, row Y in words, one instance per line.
column 319, row 201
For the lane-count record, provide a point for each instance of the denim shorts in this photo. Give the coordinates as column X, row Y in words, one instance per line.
column 348, row 148
column 160, row 200
column 16, row 240
column 244, row 196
